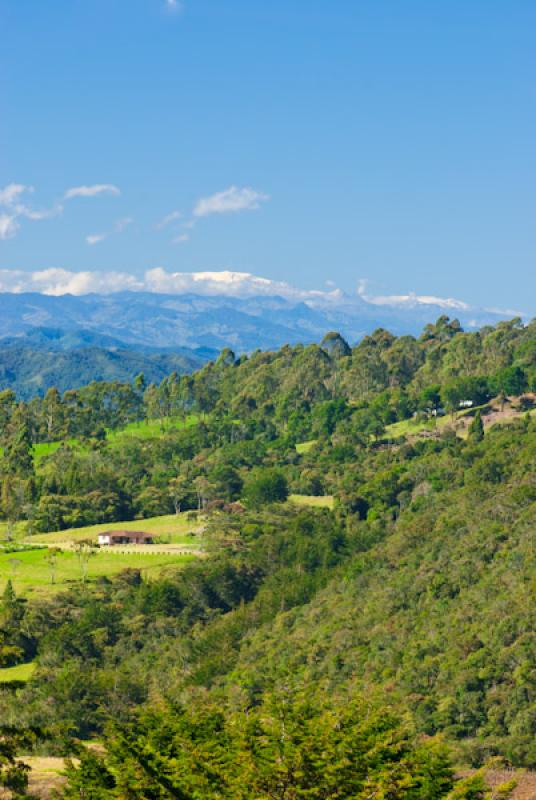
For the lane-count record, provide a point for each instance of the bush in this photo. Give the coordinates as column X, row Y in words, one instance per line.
column 266, row 486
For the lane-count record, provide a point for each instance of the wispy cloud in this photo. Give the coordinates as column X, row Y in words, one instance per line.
column 410, row 300
column 91, row 191
column 38, row 214
column 121, row 224
column 230, row 201
column 181, row 238
column 119, row 227
column 95, row 238
column 173, row 216
column 174, row 6
column 10, row 199
column 11, row 193
column 8, row 226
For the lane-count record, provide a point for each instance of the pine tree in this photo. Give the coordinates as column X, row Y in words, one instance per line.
column 18, row 457
column 476, row 428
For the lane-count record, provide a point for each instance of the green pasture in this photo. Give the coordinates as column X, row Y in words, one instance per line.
column 169, row 529
column 22, row 672
column 32, row 575
column 147, row 429
column 304, row 447
column 150, row 429
column 323, row 501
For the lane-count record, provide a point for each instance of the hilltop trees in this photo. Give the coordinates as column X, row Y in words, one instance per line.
column 293, row 746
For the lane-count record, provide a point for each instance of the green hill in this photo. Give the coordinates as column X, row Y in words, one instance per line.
column 384, row 571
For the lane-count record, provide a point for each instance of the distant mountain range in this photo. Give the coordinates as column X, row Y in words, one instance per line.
column 171, row 321
column 70, row 340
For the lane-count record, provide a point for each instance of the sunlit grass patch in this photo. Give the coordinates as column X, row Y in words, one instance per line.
column 305, row 447
column 32, row 573
column 21, row 673
column 321, row 501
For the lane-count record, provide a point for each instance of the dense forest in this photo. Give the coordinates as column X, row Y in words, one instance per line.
column 47, row 358
column 359, row 651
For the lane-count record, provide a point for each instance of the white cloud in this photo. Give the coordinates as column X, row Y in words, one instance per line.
column 228, row 283
column 95, row 238
column 410, row 300
column 43, row 213
column 8, row 226
column 176, row 6
column 10, row 193
column 225, row 283
column 181, row 238
column 10, row 197
column 168, row 219
column 230, row 200
column 91, row 191
column 119, row 227
column 121, row 224
column 58, row 282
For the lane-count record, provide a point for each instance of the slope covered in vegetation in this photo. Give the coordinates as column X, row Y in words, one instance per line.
column 411, row 600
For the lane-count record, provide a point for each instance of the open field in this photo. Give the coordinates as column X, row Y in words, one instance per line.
column 491, row 415
column 325, row 501
column 32, row 575
column 22, row 672
column 304, row 447
column 174, row 529
column 135, row 430
column 45, row 776
column 151, row 428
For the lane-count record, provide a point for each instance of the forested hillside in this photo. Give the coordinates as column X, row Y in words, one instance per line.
column 44, row 359
column 354, row 647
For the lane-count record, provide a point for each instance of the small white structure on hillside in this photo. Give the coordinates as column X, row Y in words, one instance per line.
column 110, row 538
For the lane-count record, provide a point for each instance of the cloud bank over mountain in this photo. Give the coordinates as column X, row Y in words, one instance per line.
column 57, row 282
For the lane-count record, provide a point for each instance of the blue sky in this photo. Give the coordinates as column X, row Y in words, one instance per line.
column 298, row 140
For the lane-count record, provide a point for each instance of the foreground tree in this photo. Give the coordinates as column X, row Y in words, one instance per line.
column 292, row 747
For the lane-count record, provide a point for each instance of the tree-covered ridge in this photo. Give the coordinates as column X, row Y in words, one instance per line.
column 291, row 395
column 416, row 592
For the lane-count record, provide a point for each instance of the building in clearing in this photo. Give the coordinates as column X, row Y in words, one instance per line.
column 111, row 538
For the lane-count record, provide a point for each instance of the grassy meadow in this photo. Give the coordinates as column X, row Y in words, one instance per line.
column 149, row 429
column 176, row 529
column 32, row 574
column 321, row 501
column 305, row 447
column 178, row 540
column 20, row 673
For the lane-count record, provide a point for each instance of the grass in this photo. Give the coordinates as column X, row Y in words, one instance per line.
column 45, row 777
column 409, row 427
column 304, row 447
column 150, row 429
column 22, row 673
column 147, row 429
column 324, row 501
column 170, row 528
column 31, row 574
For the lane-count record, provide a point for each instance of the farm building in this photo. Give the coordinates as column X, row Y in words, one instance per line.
column 124, row 537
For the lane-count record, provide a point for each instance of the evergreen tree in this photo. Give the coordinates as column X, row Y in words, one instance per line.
column 18, row 458
column 476, row 428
